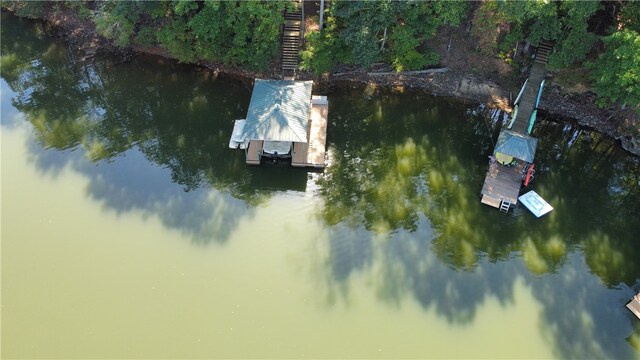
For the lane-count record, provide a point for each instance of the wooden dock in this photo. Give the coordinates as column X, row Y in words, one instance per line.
column 313, row 153
column 254, row 152
column 502, row 183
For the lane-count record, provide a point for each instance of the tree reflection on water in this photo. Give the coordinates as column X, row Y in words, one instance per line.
column 401, row 197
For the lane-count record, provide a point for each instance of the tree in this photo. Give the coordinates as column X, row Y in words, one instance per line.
column 366, row 32
column 499, row 24
column 616, row 73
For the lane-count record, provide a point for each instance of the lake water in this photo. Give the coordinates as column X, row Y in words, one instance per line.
column 130, row 230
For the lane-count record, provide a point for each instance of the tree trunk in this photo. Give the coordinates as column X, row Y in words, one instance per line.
column 321, row 14
column 384, row 39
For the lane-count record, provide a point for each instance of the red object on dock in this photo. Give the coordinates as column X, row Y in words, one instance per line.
column 529, row 176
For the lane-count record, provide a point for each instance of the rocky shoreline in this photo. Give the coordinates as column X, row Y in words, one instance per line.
column 556, row 103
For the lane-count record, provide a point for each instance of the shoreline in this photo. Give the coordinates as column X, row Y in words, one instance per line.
column 577, row 108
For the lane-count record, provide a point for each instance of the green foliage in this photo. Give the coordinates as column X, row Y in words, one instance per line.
column 81, row 8
column 575, row 41
column 499, row 25
column 28, row 9
column 182, row 7
column 175, row 37
column 362, row 25
column 317, row 56
column 116, row 20
column 616, row 72
column 403, row 54
column 449, row 12
column 239, row 33
column 146, row 36
column 630, row 15
column 486, row 27
column 374, row 31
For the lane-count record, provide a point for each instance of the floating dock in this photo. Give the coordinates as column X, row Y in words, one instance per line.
column 634, row 305
column 535, row 203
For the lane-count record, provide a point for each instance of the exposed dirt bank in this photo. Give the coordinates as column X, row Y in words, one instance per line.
column 469, row 76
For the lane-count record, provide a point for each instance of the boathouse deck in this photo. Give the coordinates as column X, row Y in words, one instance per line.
column 313, row 153
column 502, row 183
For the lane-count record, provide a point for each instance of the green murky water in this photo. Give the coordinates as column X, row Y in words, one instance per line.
column 129, row 230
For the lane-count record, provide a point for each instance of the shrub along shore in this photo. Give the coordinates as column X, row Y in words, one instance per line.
column 476, row 47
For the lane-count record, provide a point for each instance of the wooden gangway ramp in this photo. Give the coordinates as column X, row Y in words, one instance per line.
column 290, row 40
column 529, row 95
column 313, row 153
column 502, row 184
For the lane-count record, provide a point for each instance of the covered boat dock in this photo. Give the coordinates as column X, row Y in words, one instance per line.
column 284, row 121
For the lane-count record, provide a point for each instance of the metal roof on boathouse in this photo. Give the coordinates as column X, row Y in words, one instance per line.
column 279, row 111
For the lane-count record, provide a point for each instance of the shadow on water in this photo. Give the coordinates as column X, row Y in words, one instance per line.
column 402, row 196
column 155, row 133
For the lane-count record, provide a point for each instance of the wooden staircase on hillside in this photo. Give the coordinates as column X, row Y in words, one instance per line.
column 290, row 41
column 542, row 54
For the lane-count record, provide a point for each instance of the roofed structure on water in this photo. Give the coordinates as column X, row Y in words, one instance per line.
column 518, row 145
column 279, row 111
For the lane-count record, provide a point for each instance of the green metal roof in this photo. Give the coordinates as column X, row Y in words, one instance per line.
column 279, row 111
column 519, row 146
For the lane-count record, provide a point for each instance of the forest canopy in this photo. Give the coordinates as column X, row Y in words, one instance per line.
column 600, row 37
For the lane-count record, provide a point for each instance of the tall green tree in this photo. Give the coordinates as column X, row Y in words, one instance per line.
column 616, row 73
column 564, row 23
column 366, row 32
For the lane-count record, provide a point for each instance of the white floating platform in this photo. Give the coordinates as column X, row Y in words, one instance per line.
column 236, row 139
column 634, row 305
column 535, row 203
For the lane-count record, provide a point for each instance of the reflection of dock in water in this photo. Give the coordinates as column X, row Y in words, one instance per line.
column 511, row 162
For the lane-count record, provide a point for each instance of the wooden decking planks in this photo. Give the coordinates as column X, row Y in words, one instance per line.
column 502, row 183
column 313, row 154
column 254, row 152
column 290, row 41
column 299, row 154
column 528, row 100
column 318, row 134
